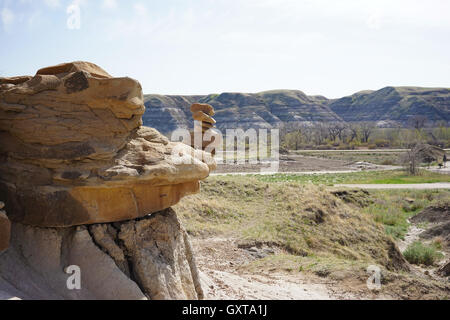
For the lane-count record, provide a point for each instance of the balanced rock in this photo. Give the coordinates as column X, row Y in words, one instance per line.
column 203, row 122
column 203, row 107
column 74, row 150
column 203, row 117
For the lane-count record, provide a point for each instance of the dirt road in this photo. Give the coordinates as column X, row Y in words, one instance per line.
column 416, row 186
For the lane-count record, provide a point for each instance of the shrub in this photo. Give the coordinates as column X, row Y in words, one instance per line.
column 352, row 146
column 343, row 147
column 388, row 162
column 382, row 143
column 419, row 253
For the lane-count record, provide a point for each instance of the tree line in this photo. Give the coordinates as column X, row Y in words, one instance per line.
column 343, row 135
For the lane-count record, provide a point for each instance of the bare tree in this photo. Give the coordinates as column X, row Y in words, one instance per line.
column 321, row 133
column 332, row 131
column 353, row 130
column 418, row 122
column 421, row 152
column 366, row 129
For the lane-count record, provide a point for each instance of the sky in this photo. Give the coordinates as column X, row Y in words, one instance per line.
column 327, row 47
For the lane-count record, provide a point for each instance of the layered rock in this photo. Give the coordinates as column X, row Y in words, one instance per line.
column 264, row 110
column 5, row 229
column 389, row 107
column 147, row 258
column 202, row 137
column 74, row 152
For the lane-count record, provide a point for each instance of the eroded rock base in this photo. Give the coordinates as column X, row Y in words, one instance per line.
column 5, row 229
column 146, row 258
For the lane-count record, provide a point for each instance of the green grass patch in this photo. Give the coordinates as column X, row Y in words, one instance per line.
column 363, row 177
column 393, row 208
column 420, row 253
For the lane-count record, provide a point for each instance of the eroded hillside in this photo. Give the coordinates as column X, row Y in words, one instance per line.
column 390, row 105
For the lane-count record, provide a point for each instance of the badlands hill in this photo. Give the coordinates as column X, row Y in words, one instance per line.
column 278, row 107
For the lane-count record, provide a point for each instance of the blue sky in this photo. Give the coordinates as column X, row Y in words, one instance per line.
column 327, row 47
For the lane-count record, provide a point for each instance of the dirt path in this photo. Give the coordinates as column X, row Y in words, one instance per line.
column 224, row 285
column 222, row 262
column 415, row 186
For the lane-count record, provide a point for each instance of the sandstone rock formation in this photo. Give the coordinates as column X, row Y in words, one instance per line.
column 147, row 258
column 5, row 229
column 73, row 150
column 202, row 137
column 86, row 185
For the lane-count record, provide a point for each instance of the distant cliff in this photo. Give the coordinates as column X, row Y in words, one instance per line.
column 278, row 107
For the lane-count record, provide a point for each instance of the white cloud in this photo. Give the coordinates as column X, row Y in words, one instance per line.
column 374, row 21
column 109, row 4
column 140, row 9
column 7, row 17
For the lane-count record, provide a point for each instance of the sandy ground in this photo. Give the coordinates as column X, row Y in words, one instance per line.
column 411, row 236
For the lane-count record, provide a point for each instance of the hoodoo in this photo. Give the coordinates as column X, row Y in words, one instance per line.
column 85, row 184
column 74, row 151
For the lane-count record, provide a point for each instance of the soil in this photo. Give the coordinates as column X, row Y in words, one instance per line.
column 222, row 262
column 437, row 224
column 435, row 214
column 299, row 163
column 223, row 265
column 438, row 217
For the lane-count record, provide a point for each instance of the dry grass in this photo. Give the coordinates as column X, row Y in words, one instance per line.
column 316, row 231
column 305, row 220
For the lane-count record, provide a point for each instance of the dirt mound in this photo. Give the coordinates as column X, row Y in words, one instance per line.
column 359, row 197
column 303, row 220
column 441, row 230
column 439, row 216
column 437, row 213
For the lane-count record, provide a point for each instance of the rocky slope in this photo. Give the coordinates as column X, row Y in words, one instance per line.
column 274, row 108
column 85, row 184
